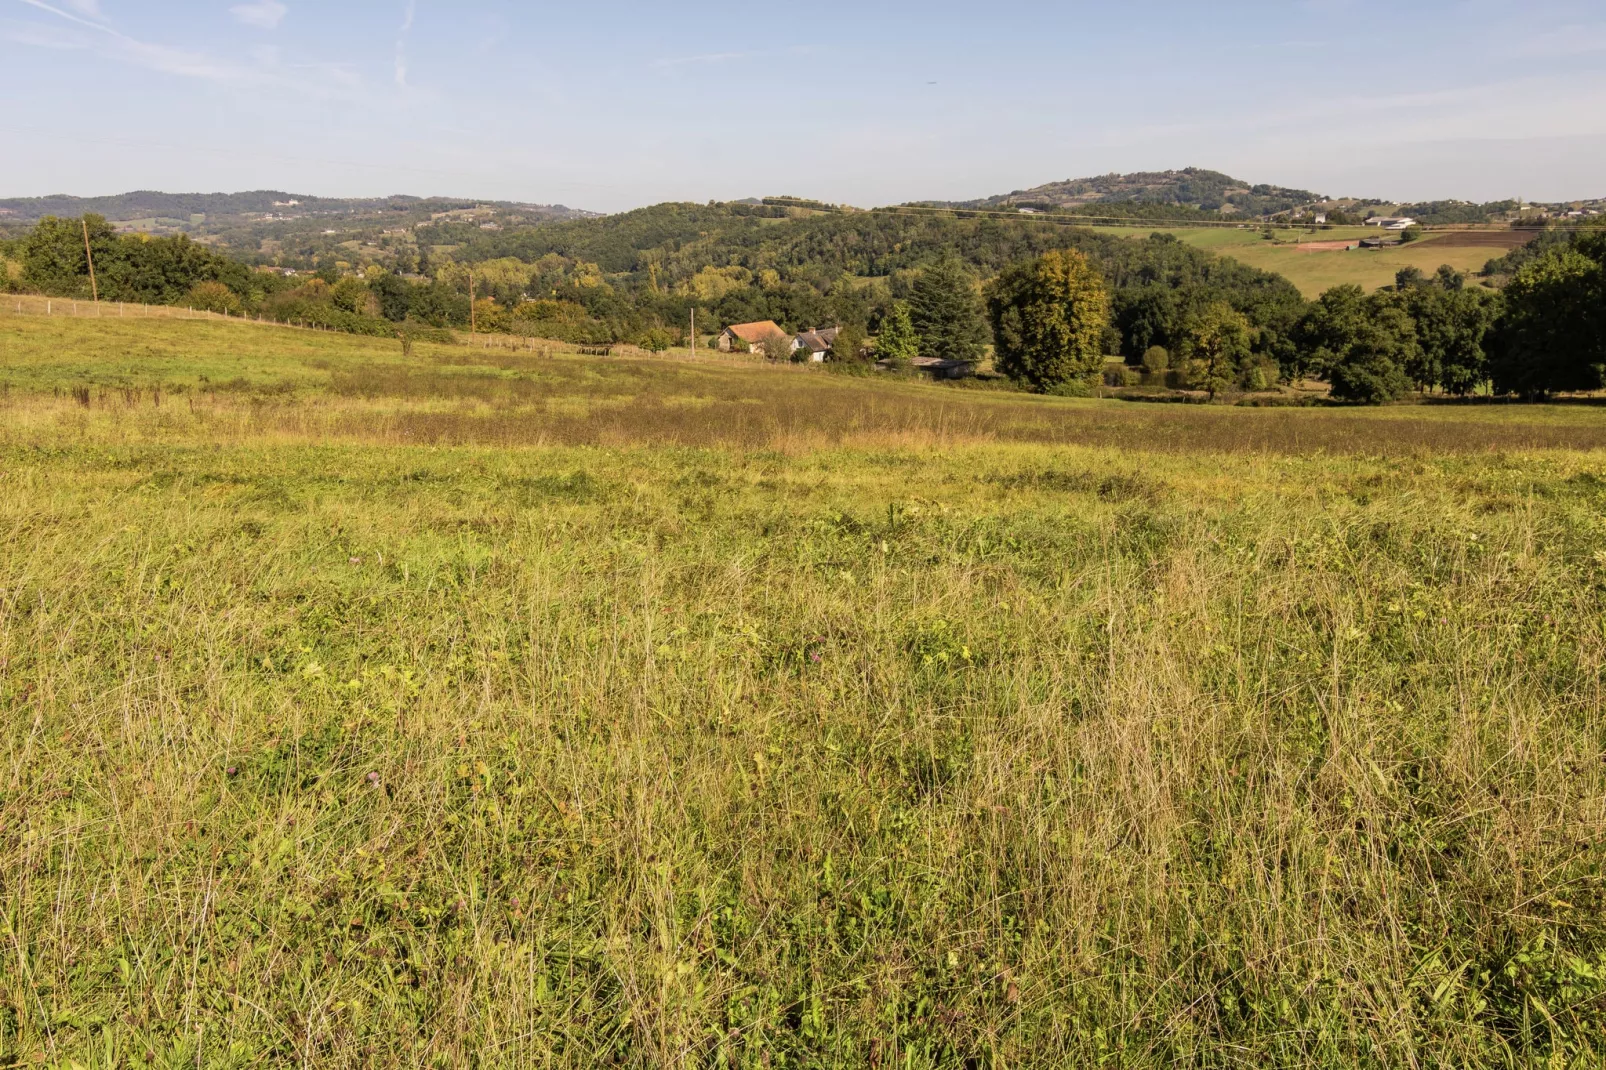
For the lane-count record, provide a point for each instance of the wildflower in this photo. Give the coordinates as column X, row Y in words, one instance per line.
column 373, row 778
column 356, row 560
column 232, row 770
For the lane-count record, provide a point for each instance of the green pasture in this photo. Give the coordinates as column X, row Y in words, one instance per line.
column 486, row 709
column 1318, row 271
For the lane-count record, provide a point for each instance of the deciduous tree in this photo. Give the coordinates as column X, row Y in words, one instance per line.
column 1215, row 345
column 1361, row 343
column 1048, row 319
column 1553, row 335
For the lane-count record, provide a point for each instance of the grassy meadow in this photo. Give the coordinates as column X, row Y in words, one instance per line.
column 1315, row 271
column 480, row 708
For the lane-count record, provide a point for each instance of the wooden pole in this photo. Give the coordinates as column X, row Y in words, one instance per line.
column 694, row 332
column 93, row 288
column 471, row 329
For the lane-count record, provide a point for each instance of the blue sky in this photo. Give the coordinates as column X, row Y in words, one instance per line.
column 609, row 105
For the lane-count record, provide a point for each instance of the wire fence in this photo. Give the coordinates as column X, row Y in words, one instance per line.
column 30, row 304
column 80, row 308
column 70, row 308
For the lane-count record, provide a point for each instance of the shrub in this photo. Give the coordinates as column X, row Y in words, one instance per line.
column 777, row 347
column 213, row 297
column 658, row 340
column 353, row 295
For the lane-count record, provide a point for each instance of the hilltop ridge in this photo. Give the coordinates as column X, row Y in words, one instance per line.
column 1190, row 187
column 141, row 204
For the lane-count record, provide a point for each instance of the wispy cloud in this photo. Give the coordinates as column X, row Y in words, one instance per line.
column 69, row 16
column 88, row 8
column 408, row 14
column 267, row 68
column 157, row 57
column 263, row 14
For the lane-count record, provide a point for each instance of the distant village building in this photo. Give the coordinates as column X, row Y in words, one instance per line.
column 1391, row 222
column 748, row 337
column 818, row 342
column 1321, row 219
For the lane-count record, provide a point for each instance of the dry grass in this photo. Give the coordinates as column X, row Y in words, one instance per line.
column 875, row 732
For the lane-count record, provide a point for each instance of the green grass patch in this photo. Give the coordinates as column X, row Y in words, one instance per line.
column 905, row 726
column 1315, row 272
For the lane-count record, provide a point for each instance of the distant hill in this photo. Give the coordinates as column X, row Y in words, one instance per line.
column 1191, row 187
column 150, row 204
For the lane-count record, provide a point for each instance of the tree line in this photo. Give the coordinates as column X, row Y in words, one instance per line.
column 1055, row 303
column 1543, row 334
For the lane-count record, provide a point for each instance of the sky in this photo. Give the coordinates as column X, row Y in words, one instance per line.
column 607, row 105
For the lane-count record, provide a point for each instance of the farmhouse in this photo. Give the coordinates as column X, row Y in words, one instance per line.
column 817, row 342
column 747, row 337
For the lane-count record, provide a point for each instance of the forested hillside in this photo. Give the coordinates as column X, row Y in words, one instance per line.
column 744, row 262
column 1189, row 318
column 1191, row 187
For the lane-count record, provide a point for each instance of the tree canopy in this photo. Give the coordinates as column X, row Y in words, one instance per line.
column 1553, row 335
column 898, row 343
column 946, row 311
column 1049, row 316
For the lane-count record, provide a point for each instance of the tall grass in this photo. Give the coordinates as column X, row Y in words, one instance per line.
column 819, row 749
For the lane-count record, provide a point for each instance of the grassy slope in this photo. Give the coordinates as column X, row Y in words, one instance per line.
column 867, row 735
column 1314, row 272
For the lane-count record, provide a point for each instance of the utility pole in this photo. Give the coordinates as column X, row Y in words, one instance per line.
column 94, row 290
column 694, row 332
column 471, row 324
